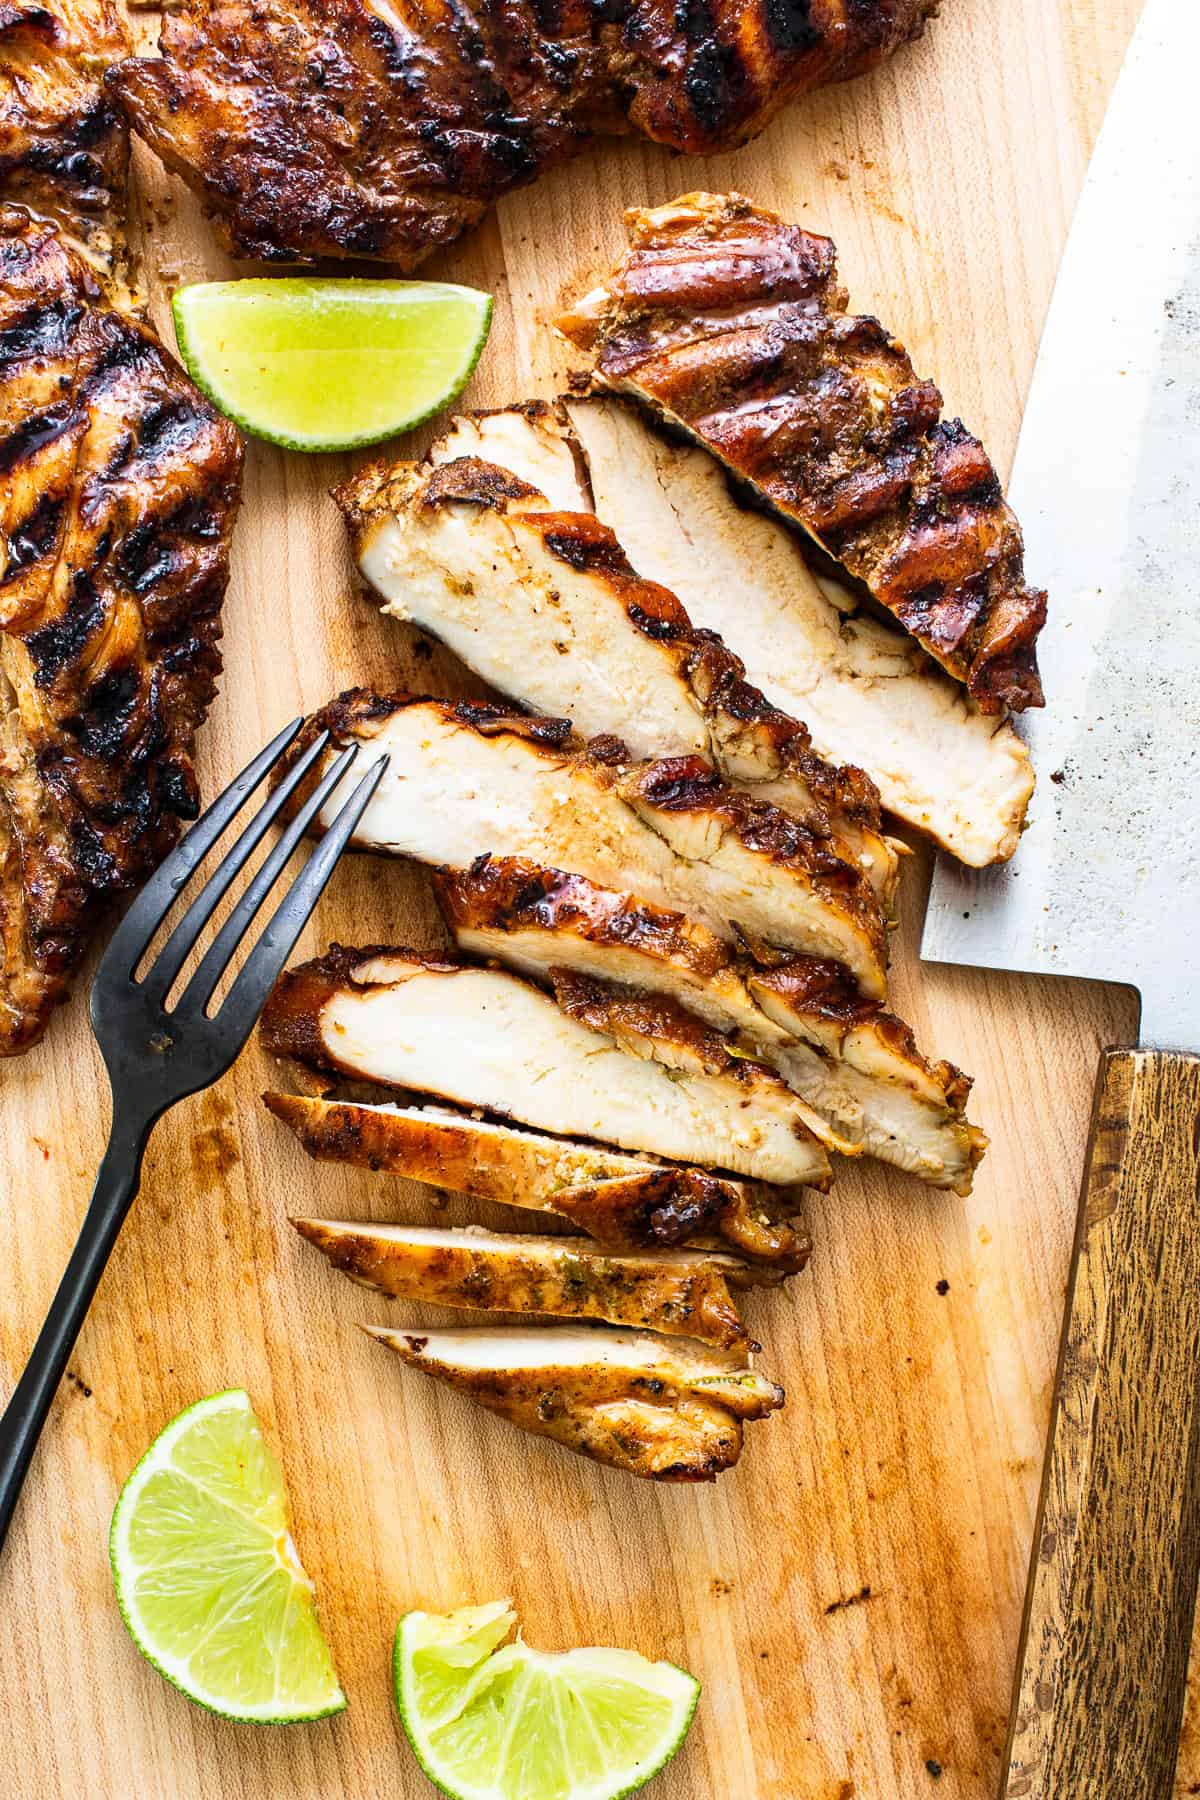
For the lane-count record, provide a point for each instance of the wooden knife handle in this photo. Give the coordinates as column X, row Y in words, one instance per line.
column 1102, row 1665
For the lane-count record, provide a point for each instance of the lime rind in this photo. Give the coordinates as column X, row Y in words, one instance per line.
column 389, row 354
column 197, row 1587
column 489, row 1720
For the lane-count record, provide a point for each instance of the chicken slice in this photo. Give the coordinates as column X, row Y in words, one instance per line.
column 855, row 1064
column 543, row 603
column 624, row 1202
column 665, row 1409
column 683, row 1293
column 730, row 324
column 486, row 1039
column 467, row 780
column 866, row 691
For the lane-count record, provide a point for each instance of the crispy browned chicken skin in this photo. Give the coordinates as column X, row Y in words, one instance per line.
column 731, row 324
column 342, row 128
column 120, row 485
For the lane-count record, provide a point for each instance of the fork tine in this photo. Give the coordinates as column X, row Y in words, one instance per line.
column 263, row 966
column 174, row 953
column 141, row 921
column 215, row 961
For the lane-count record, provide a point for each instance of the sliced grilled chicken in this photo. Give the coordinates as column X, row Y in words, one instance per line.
column 731, row 325
column 855, row 1064
column 665, row 1409
column 624, row 1202
column 467, row 780
column 865, row 690
column 64, row 147
column 121, row 484
column 486, row 1039
column 683, row 1293
column 544, row 604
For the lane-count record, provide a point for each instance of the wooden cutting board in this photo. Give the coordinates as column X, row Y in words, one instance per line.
column 850, row 1594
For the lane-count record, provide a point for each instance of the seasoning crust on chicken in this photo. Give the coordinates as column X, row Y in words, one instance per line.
column 731, row 325
column 667, row 1409
column 121, row 486
column 682, row 1293
column 336, row 128
column 625, row 1202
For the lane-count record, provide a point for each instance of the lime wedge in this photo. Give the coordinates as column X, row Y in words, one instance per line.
column 207, row 1576
column 491, row 1720
column 318, row 364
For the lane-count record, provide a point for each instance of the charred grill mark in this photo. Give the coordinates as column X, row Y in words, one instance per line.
column 79, row 167
column 98, row 868
column 94, row 126
column 122, row 349
column 714, row 73
column 197, row 517
column 682, row 784
column 55, row 647
column 470, row 481
column 149, row 561
column 662, row 630
column 44, row 330
column 35, row 536
column 489, row 719
column 111, row 706
column 178, row 790
column 790, row 26
column 168, row 431
column 35, row 433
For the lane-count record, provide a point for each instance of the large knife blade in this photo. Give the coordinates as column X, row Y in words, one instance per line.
column 1104, row 885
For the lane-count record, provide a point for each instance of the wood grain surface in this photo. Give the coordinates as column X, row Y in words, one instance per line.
column 851, row 1593
column 1103, row 1656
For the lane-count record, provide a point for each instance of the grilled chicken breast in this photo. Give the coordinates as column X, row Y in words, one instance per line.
column 865, row 690
column 486, row 1039
column 468, row 780
column 731, row 325
column 544, row 605
column 121, row 486
column 668, row 1409
column 680, row 1292
column 855, row 1064
column 64, row 144
column 624, row 1202
column 351, row 128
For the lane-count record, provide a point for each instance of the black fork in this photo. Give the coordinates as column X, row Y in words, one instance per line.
column 155, row 1056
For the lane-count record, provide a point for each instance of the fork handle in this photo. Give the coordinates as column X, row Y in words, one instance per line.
column 25, row 1414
